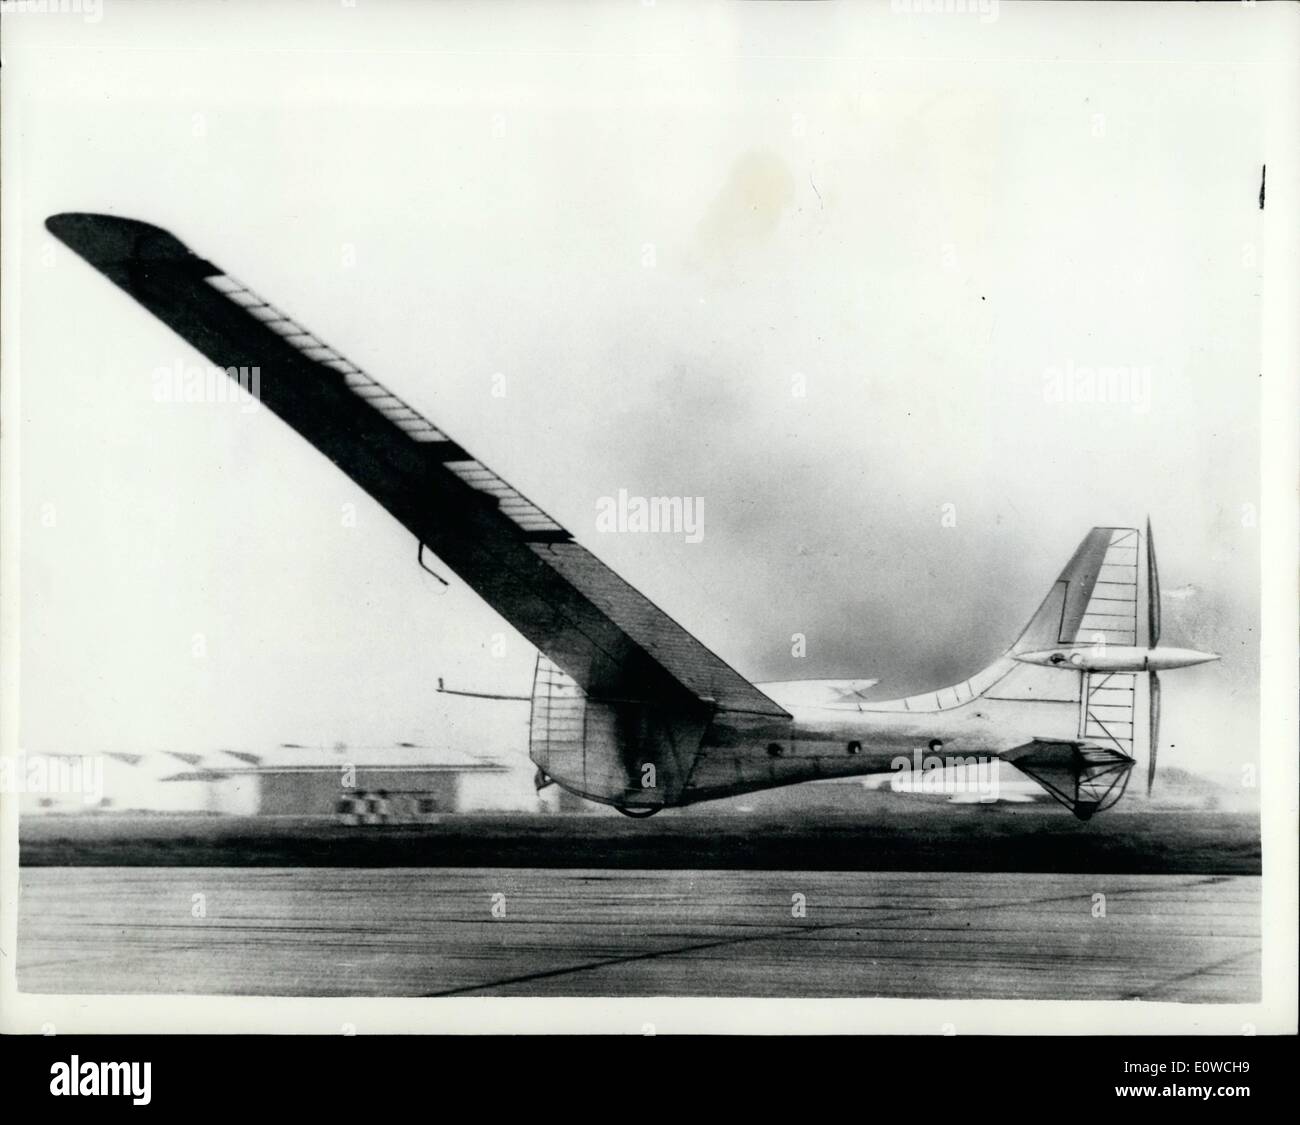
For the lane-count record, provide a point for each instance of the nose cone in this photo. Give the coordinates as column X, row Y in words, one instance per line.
column 1116, row 658
column 1162, row 658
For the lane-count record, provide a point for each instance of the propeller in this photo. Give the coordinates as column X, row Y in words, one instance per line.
column 1153, row 592
column 1153, row 638
column 1154, row 693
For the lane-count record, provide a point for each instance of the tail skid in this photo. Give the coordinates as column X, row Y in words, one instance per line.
column 1085, row 779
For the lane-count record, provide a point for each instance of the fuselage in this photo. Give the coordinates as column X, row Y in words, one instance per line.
column 1083, row 692
column 959, row 724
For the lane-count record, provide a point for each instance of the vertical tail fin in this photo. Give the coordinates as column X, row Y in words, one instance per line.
column 1095, row 600
column 1100, row 625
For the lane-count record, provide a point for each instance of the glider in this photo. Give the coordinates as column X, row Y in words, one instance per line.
column 627, row 708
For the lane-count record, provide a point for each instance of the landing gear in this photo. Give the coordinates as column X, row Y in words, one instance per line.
column 541, row 780
column 637, row 813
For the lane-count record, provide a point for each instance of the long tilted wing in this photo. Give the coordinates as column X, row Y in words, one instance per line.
column 588, row 621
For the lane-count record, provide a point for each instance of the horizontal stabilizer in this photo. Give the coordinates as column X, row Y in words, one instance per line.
column 835, row 695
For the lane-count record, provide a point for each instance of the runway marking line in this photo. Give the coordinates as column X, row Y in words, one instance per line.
column 787, row 932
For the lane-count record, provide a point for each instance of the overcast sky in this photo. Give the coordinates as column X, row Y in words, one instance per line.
column 649, row 225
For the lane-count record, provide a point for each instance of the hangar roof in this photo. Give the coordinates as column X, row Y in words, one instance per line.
column 289, row 758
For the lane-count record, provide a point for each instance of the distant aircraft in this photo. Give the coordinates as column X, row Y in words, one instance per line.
column 628, row 708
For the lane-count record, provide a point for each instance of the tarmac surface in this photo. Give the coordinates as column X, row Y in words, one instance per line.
column 902, row 834
column 465, row 931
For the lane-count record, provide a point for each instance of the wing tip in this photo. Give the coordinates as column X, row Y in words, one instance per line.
column 107, row 240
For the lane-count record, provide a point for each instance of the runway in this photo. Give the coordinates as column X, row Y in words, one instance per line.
column 554, row 932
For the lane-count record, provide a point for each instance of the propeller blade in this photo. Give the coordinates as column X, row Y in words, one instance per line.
column 1155, row 730
column 1153, row 591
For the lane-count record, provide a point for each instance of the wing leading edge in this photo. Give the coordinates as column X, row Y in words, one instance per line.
column 599, row 630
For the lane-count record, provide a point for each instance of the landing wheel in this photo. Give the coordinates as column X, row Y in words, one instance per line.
column 637, row 814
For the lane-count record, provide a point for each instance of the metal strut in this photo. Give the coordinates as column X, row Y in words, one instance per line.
column 419, row 558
